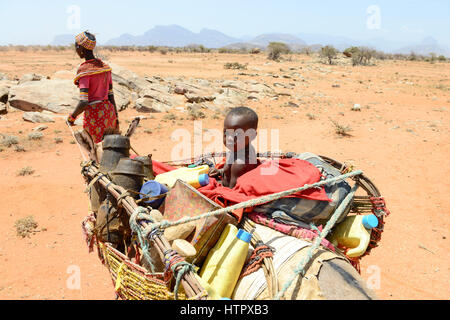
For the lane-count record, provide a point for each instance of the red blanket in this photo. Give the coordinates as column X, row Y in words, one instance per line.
column 291, row 173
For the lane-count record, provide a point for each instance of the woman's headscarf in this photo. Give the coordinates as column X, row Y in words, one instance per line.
column 83, row 40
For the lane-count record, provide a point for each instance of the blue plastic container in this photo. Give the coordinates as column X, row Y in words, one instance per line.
column 151, row 189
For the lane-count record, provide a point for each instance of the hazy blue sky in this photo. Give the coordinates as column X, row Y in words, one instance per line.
column 38, row 21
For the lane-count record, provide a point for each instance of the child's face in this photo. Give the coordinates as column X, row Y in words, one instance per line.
column 238, row 132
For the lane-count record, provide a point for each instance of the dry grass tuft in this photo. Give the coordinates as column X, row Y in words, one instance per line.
column 27, row 171
column 25, row 226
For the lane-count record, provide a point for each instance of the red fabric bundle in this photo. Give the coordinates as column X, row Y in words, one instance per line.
column 270, row 177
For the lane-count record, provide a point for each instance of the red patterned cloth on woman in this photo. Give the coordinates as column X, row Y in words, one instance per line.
column 98, row 117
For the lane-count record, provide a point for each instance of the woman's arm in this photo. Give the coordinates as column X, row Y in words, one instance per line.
column 80, row 108
column 111, row 98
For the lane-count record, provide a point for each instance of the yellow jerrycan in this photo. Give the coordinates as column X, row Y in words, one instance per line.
column 354, row 233
column 197, row 177
column 225, row 261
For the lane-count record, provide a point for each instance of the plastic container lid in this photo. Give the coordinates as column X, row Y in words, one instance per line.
column 244, row 236
column 203, row 179
column 153, row 188
column 370, row 221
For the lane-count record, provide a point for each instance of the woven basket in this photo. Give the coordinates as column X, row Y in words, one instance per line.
column 133, row 282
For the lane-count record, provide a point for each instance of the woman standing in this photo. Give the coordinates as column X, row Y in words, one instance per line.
column 96, row 91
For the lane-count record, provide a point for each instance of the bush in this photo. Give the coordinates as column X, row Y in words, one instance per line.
column 340, row 129
column 25, row 226
column 329, row 52
column 442, row 58
column 235, row 65
column 350, row 51
column 27, row 171
column 362, row 56
column 306, row 50
column 9, row 141
column 276, row 49
column 35, row 136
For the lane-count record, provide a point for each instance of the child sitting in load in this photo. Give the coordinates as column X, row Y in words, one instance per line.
column 239, row 131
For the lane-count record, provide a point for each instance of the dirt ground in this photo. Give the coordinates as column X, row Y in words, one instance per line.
column 400, row 139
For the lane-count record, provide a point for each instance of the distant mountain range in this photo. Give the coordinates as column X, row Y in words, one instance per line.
column 177, row 36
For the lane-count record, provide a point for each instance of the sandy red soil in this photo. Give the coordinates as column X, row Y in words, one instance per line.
column 400, row 140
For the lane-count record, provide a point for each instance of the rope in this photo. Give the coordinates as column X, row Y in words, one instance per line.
column 223, row 154
column 173, row 262
column 300, row 269
column 140, row 214
column 254, row 202
column 260, row 253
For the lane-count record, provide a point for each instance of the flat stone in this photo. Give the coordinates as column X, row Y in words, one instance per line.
column 148, row 105
column 58, row 96
column 40, row 128
column 31, row 77
column 37, row 117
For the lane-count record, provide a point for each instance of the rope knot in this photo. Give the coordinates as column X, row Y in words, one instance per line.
column 178, row 266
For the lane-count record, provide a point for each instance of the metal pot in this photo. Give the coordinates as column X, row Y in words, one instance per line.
column 148, row 166
column 129, row 174
column 115, row 147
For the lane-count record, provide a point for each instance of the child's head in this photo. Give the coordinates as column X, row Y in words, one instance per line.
column 239, row 128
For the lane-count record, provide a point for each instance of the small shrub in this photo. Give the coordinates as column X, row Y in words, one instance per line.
column 27, row 171
column 35, row 136
column 58, row 140
column 276, row 49
column 148, row 131
column 306, row 50
column 25, row 226
column 442, row 58
column 19, row 148
column 163, row 51
column 9, row 141
column 195, row 114
column 349, row 52
column 341, row 130
column 235, row 65
column 362, row 56
column 170, row 116
column 311, row 116
column 329, row 52
column 433, row 57
column 413, row 56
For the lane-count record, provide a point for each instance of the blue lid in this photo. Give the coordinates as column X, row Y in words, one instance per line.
column 370, row 221
column 153, row 188
column 244, row 236
column 203, row 179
